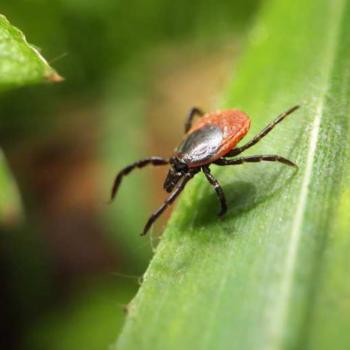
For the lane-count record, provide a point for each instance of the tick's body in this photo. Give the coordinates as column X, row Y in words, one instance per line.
column 211, row 139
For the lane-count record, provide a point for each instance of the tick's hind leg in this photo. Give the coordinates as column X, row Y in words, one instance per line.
column 139, row 164
column 193, row 112
column 255, row 159
column 262, row 133
column 178, row 189
column 217, row 188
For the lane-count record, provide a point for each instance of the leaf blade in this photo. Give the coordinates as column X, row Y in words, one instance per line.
column 20, row 62
column 248, row 282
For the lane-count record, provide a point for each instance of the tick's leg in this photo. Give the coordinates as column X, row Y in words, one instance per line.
column 179, row 187
column 255, row 159
column 139, row 164
column 193, row 112
column 218, row 190
column 262, row 133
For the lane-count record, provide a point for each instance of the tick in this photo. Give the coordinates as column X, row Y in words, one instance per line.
column 211, row 139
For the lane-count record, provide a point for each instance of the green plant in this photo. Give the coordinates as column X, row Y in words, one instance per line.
column 274, row 273
column 20, row 63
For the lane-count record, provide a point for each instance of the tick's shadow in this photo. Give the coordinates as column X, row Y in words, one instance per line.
column 241, row 196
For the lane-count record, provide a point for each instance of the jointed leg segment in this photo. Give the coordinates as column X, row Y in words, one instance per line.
column 218, row 189
column 139, row 164
column 255, row 159
column 262, row 133
column 193, row 112
column 178, row 189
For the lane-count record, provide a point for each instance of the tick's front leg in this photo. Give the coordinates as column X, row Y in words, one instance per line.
column 178, row 189
column 138, row 164
column 218, row 189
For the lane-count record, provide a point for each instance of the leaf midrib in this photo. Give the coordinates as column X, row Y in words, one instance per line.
column 282, row 307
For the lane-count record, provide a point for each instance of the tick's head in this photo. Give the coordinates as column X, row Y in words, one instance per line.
column 177, row 170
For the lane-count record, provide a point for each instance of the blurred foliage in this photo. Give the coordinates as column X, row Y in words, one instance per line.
column 106, row 51
column 88, row 320
column 124, row 139
column 20, row 64
column 10, row 203
column 91, row 41
column 99, row 36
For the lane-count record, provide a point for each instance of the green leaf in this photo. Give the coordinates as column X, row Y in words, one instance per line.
column 10, row 203
column 20, row 63
column 274, row 274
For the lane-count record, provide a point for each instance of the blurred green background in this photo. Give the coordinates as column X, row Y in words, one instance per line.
column 70, row 261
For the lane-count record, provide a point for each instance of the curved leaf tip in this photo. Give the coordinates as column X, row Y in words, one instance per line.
column 20, row 62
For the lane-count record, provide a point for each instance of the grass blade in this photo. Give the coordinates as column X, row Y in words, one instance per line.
column 274, row 273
